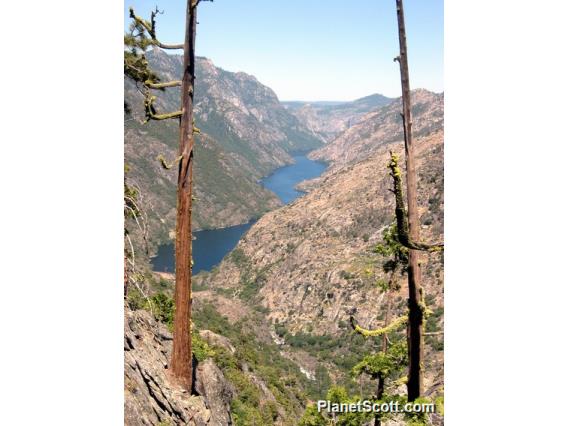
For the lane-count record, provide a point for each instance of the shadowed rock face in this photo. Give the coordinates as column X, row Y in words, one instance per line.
column 150, row 397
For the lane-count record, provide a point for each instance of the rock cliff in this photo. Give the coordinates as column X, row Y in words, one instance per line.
column 150, row 396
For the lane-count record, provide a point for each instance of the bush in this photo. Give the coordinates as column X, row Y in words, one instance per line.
column 201, row 350
column 312, row 417
column 239, row 257
column 135, row 299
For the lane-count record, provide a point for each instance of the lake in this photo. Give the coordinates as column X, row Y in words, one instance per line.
column 211, row 246
column 284, row 179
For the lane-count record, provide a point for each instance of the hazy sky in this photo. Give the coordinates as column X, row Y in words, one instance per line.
column 313, row 49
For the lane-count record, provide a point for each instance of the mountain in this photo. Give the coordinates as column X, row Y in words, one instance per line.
column 275, row 313
column 310, row 265
column 328, row 119
column 308, row 260
column 245, row 134
column 384, row 126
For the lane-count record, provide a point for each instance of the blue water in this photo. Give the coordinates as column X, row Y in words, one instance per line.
column 284, row 179
column 209, row 247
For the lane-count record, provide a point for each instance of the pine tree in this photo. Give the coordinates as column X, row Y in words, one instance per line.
column 142, row 35
column 409, row 226
column 415, row 326
column 383, row 364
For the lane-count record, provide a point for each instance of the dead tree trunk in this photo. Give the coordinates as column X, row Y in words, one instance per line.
column 415, row 316
column 181, row 367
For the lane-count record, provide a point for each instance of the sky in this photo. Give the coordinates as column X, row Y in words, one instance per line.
column 313, row 50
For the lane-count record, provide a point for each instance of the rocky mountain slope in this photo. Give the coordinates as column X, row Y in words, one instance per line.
column 330, row 119
column 241, row 376
column 311, row 262
column 150, row 397
column 246, row 134
column 310, row 265
column 275, row 312
column 384, row 126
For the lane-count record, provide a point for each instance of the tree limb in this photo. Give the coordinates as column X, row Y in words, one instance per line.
column 173, row 83
column 150, row 27
column 199, row 1
column 168, row 46
column 151, row 113
column 166, row 165
column 196, row 130
column 379, row 331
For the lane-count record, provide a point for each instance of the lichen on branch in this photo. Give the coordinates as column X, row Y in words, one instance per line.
column 152, row 85
column 150, row 27
column 403, row 235
column 141, row 36
column 167, row 166
column 394, row 325
column 151, row 112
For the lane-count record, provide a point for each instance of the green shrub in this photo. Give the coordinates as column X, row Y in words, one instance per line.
column 163, row 308
column 239, row 257
column 201, row 350
column 135, row 299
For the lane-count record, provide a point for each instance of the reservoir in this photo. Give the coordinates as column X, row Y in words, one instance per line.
column 210, row 246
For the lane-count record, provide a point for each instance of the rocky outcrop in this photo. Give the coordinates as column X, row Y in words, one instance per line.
column 215, row 339
column 216, row 391
column 150, row 397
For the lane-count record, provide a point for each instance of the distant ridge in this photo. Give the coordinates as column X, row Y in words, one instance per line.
column 328, row 119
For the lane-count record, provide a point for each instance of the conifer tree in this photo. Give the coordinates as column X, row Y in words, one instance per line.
column 143, row 35
column 396, row 264
column 409, row 225
column 383, row 364
column 416, row 326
